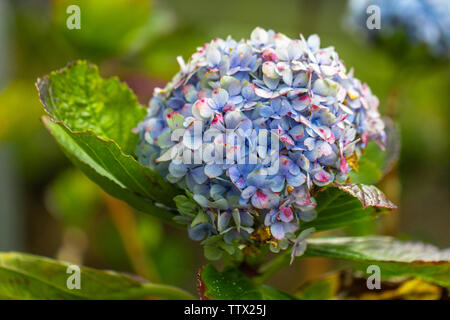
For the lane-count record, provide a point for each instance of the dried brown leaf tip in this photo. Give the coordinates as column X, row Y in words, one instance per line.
column 369, row 196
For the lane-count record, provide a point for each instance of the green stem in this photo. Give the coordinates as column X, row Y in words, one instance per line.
column 268, row 269
column 166, row 291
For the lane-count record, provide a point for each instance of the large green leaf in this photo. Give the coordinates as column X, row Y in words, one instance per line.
column 118, row 174
column 232, row 284
column 92, row 120
column 24, row 276
column 79, row 97
column 342, row 205
column 395, row 258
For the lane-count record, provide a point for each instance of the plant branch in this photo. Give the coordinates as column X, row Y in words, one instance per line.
column 123, row 219
column 268, row 269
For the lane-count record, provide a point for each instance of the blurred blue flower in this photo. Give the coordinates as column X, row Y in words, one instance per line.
column 424, row 21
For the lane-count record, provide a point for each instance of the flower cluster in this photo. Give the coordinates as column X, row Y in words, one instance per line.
column 320, row 115
column 424, row 21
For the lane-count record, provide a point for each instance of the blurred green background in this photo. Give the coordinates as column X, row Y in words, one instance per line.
column 48, row 207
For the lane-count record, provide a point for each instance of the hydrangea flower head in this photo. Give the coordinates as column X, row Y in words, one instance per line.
column 254, row 186
column 423, row 21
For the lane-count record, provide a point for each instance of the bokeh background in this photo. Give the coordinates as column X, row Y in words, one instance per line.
column 48, row 207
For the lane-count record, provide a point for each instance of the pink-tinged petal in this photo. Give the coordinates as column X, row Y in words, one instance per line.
column 302, row 197
column 326, row 134
column 343, row 165
column 301, row 102
column 297, row 132
column 201, row 109
column 286, row 214
column 365, row 138
column 228, row 107
column 286, row 139
column 260, row 200
column 331, row 139
column 263, row 93
column 323, row 149
column 217, row 119
column 270, row 55
column 322, row 176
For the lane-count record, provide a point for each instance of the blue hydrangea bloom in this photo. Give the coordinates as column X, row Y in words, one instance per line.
column 319, row 115
column 424, row 21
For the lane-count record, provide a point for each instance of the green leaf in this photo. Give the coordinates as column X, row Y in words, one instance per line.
column 233, row 284
column 24, row 276
column 186, row 205
column 395, row 258
column 375, row 163
column 92, row 120
column 212, row 252
column 79, row 97
column 118, row 174
column 368, row 170
column 339, row 206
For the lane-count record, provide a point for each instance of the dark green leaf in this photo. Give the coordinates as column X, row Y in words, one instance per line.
column 232, row 284
column 395, row 258
column 118, row 174
column 24, row 276
column 186, row 205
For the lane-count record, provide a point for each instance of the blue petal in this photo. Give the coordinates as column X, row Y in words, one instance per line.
column 220, row 97
column 296, row 180
column 198, row 174
column 213, row 170
column 277, row 230
column 248, row 192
